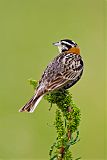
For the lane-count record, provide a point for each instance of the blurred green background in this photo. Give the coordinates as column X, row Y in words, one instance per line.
column 27, row 30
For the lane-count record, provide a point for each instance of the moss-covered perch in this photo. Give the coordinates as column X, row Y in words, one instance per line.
column 67, row 120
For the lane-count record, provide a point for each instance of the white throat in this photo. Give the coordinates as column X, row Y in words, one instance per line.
column 60, row 48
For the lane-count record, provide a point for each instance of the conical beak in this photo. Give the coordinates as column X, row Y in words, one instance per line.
column 57, row 44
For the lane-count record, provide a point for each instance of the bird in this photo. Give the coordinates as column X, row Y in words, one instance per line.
column 61, row 73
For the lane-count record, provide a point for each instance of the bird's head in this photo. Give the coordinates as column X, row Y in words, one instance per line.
column 67, row 46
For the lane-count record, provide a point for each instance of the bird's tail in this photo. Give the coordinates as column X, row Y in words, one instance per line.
column 32, row 104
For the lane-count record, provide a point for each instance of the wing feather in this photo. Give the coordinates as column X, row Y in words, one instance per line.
column 61, row 71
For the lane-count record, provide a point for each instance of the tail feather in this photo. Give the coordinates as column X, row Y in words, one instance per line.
column 32, row 104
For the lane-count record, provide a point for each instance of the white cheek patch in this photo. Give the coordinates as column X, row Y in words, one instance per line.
column 62, row 47
column 65, row 48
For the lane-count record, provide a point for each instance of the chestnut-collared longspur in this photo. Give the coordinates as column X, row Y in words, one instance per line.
column 62, row 73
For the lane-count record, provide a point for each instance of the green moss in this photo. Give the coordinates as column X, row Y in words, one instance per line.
column 67, row 120
column 34, row 83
